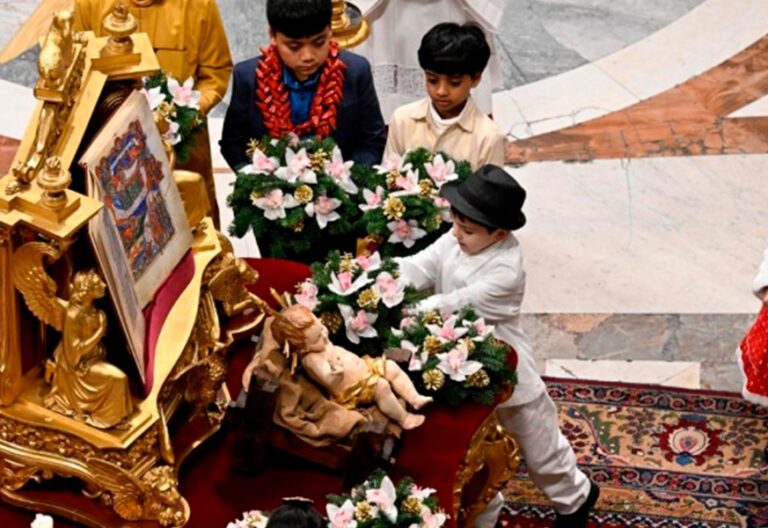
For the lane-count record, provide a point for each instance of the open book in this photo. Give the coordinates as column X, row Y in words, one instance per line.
column 141, row 233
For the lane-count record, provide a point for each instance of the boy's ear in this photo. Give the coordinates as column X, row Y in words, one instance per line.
column 500, row 234
column 476, row 78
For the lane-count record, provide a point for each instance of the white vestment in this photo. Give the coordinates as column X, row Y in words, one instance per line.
column 397, row 27
column 493, row 281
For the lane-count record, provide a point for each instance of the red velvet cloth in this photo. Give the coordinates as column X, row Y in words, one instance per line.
column 753, row 359
column 157, row 310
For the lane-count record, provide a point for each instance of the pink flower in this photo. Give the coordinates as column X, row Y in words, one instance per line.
column 358, row 324
column 345, row 279
column 421, row 493
column 154, row 96
column 384, row 497
column 456, row 365
column 440, row 171
column 392, row 163
column 338, row 169
column 342, row 284
column 260, row 163
column 407, row 322
column 408, row 183
column 444, row 206
column 341, row 516
column 372, row 199
column 448, row 331
column 274, row 203
column 307, row 295
column 406, row 232
column 391, row 291
column 324, row 210
column 370, row 263
column 184, row 94
column 297, row 167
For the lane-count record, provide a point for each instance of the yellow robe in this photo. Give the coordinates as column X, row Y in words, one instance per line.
column 189, row 40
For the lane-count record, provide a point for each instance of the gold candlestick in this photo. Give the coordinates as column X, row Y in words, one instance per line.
column 348, row 24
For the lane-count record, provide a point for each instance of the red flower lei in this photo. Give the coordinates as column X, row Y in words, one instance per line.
column 272, row 96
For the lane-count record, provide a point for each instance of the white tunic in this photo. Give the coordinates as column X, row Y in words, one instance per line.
column 397, row 27
column 493, row 281
column 761, row 281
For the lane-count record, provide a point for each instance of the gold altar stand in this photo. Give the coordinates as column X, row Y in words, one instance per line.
column 127, row 467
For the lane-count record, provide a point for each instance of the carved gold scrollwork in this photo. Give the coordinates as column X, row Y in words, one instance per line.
column 154, row 497
column 494, row 449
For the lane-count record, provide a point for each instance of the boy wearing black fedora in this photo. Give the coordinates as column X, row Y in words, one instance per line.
column 480, row 263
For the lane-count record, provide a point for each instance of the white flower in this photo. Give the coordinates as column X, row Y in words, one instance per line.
column 307, row 295
column 430, row 520
column 338, row 169
column 384, row 497
column 172, row 132
column 154, row 96
column 480, row 327
column 406, row 232
column 261, row 164
column 297, row 167
column 184, row 94
column 409, row 184
column 391, row 291
column 456, row 365
column 342, row 284
column 324, row 210
column 440, row 171
column 42, row 521
column 274, row 203
column 371, row 263
column 448, row 331
column 341, row 516
column 445, row 207
column 358, row 324
column 393, row 163
column 373, row 200
column 417, row 359
column 421, row 493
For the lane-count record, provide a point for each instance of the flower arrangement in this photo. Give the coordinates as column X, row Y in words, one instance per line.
column 400, row 201
column 296, row 195
column 454, row 356
column 379, row 503
column 251, row 519
column 358, row 299
column 177, row 110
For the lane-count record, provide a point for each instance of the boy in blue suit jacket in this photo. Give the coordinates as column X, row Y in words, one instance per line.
column 303, row 84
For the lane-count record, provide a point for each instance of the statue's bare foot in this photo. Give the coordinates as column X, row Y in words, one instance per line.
column 420, row 401
column 412, row 421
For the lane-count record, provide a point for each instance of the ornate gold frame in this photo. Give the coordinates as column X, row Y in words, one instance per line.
column 131, row 469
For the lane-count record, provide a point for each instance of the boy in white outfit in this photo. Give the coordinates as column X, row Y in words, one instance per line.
column 480, row 263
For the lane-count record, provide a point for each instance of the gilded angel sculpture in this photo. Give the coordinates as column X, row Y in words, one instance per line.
column 83, row 384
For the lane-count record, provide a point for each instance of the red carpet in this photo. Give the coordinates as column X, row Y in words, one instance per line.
column 665, row 458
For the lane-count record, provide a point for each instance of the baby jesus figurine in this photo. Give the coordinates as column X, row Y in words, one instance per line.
column 350, row 380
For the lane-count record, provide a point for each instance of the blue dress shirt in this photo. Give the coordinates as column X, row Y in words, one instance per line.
column 300, row 94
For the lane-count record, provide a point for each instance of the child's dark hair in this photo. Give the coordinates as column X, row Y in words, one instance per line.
column 451, row 49
column 299, row 18
column 296, row 514
column 464, row 218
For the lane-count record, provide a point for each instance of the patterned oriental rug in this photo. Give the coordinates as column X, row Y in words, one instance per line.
column 664, row 458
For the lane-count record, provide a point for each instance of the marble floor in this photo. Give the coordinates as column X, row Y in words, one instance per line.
column 641, row 255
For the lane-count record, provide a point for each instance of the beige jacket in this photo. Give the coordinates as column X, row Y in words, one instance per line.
column 474, row 138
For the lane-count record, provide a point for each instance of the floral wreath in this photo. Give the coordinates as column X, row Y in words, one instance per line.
column 454, row 356
column 402, row 209
column 296, row 195
column 275, row 106
column 359, row 299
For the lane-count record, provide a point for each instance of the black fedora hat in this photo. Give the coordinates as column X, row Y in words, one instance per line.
column 489, row 196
